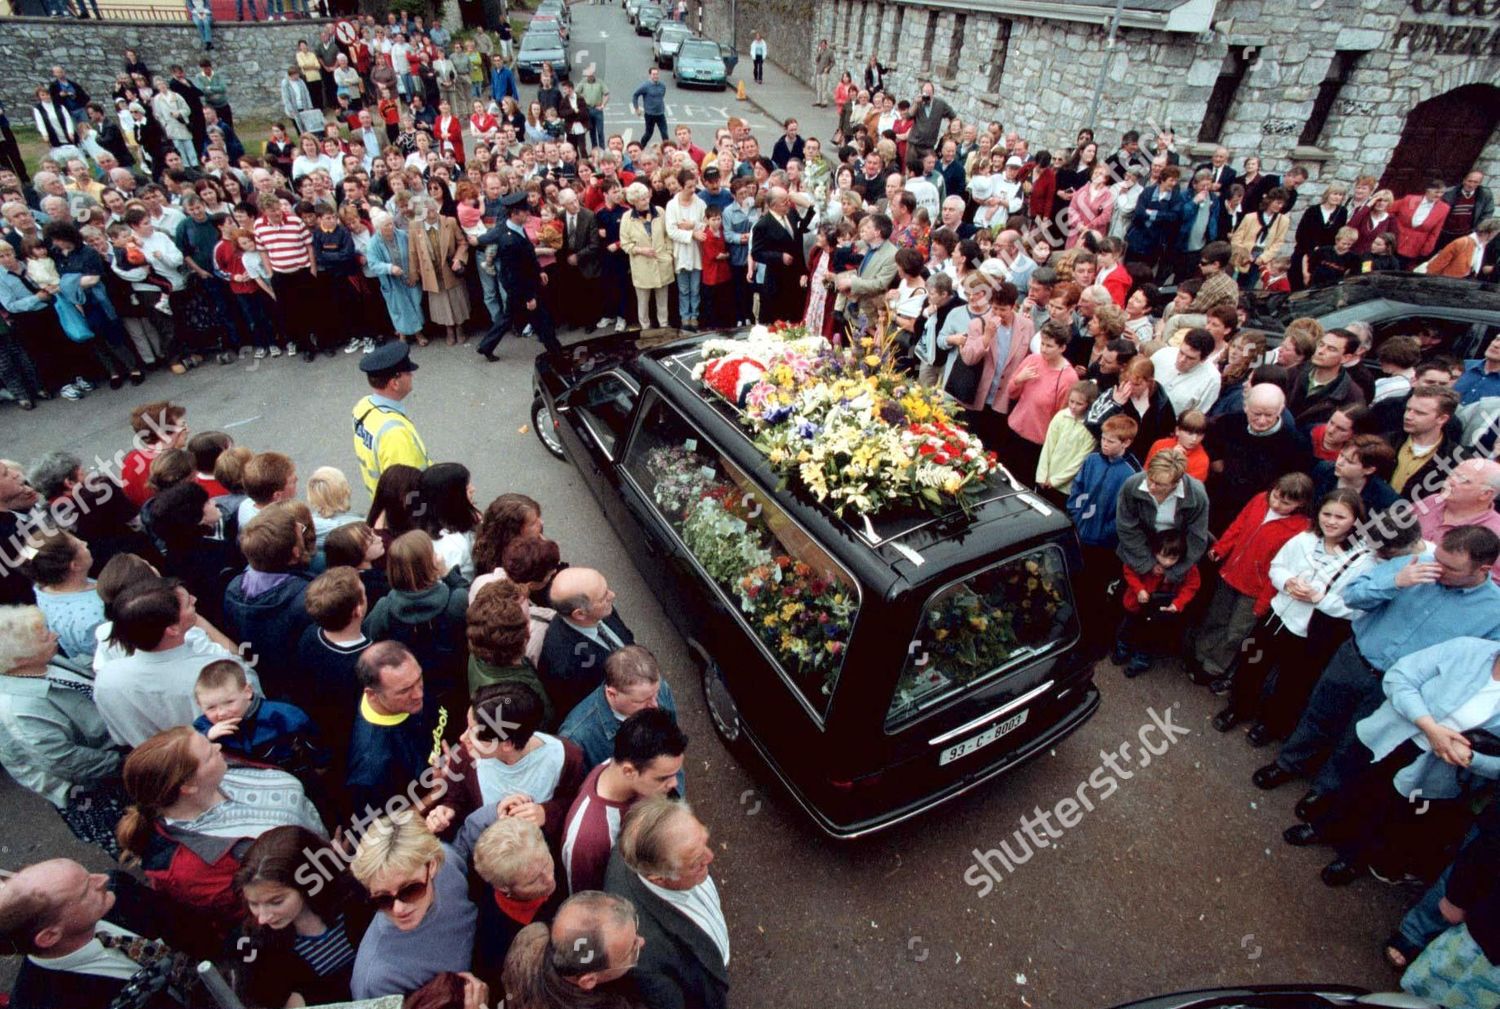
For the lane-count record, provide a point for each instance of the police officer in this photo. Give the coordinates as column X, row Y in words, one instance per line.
column 520, row 275
column 383, row 435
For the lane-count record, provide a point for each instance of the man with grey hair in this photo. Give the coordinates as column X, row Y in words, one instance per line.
column 1250, row 450
column 661, row 866
column 776, row 245
column 1467, row 498
column 92, row 506
column 124, row 180
column 594, row 941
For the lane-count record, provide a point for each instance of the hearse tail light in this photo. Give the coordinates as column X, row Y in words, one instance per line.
column 850, row 784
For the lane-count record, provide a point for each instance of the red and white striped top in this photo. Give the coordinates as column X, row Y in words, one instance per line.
column 287, row 245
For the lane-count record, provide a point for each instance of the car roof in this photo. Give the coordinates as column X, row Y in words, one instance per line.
column 695, row 40
column 1419, row 292
column 674, row 26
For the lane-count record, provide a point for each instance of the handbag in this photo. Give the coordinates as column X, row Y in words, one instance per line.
column 963, row 380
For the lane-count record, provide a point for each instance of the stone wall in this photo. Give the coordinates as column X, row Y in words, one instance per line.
column 252, row 57
column 1157, row 77
column 786, row 24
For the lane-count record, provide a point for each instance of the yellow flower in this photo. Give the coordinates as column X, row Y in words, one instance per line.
column 873, row 360
column 953, row 485
column 769, row 620
column 868, row 341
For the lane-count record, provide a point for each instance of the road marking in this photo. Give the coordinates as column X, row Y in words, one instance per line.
column 242, row 423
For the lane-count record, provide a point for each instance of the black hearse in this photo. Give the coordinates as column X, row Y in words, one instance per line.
column 879, row 666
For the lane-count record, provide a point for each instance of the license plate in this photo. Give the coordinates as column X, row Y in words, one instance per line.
column 982, row 740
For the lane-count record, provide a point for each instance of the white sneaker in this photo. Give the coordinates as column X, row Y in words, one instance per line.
column 353, row 345
column 367, row 344
column 260, row 353
column 70, row 392
column 83, row 384
column 164, row 305
column 620, row 325
column 291, row 348
column 274, row 352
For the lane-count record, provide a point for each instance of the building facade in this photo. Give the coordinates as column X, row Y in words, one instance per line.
column 1400, row 89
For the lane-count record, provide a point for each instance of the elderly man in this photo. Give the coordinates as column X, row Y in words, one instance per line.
column 1466, row 499
column 82, row 933
column 928, row 117
column 1018, row 266
column 661, row 867
column 20, row 222
column 776, row 244
column 1249, row 451
column 868, row 285
column 593, row 943
column 1220, row 175
column 1469, row 202
column 587, row 630
column 953, row 218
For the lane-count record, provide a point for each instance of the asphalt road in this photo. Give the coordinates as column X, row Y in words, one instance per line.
column 1178, row 879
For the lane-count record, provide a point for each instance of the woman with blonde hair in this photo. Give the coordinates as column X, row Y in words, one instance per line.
column 329, row 495
column 644, row 238
column 190, row 812
column 426, row 924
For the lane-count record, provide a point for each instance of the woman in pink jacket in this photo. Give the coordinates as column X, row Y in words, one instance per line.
column 1091, row 207
column 999, row 359
column 1038, row 390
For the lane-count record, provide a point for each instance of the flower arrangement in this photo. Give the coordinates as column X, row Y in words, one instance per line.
column 681, row 478
column 799, row 613
column 859, row 434
column 724, row 543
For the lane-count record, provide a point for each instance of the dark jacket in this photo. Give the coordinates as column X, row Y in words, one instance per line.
column 385, row 759
column 206, row 568
column 1092, row 498
column 784, row 152
column 110, row 137
column 572, row 664
column 680, row 967
column 432, row 624
column 782, row 297
column 329, row 688
column 517, row 266
column 271, row 624
column 1314, row 406
column 137, row 909
column 1158, row 214
column 1251, row 463
column 593, row 724
column 484, row 674
column 1187, row 210
column 1484, row 201
column 335, row 252
column 584, row 241
column 1376, row 494
column 1159, row 420
column 274, row 969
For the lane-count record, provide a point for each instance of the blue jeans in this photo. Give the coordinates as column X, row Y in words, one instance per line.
column 1348, row 691
column 275, row 8
column 205, row 29
column 188, row 152
column 689, row 292
column 256, row 318
column 596, row 127
column 494, row 294
column 239, row 10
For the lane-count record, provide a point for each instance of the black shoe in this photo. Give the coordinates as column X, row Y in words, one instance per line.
column 1271, row 776
column 1139, row 663
column 1220, row 685
column 1120, row 655
column 1310, row 806
column 1301, row 835
column 44, row 395
column 491, row 358
column 136, row 378
column 1259, row 735
column 590, row 327
column 1341, row 873
column 1226, row 720
column 1200, row 676
column 309, row 356
column 115, row 381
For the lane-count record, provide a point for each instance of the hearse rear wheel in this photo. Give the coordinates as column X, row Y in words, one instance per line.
column 722, row 710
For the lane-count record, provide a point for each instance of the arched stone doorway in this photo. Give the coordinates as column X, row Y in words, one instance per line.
column 1443, row 138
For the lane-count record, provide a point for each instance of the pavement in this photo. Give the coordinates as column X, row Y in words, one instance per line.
column 1176, row 879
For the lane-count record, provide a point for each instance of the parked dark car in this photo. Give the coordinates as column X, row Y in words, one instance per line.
column 1265, row 996
column 1450, row 316
column 906, row 659
column 540, row 46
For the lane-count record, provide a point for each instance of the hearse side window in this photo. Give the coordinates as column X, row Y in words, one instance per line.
column 1437, row 336
column 606, row 403
column 976, row 629
column 787, row 591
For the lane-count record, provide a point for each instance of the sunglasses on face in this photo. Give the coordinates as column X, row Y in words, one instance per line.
column 410, row 893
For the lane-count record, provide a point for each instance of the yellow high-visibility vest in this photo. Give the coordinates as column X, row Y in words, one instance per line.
column 383, row 438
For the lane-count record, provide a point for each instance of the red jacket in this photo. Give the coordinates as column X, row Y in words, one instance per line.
column 715, row 270
column 1043, row 192
column 1249, row 545
column 1412, row 241
column 197, row 871
column 1150, row 582
column 1117, row 283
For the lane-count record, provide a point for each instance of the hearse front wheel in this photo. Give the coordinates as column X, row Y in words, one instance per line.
column 545, row 427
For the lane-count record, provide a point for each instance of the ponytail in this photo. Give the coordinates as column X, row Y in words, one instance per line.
column 154, row 774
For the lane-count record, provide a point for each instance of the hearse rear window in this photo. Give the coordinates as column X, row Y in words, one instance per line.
column 982, row 626
column 790, row 594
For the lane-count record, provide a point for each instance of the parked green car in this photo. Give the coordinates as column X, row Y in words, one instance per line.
column 648, row 17
column 701, row 62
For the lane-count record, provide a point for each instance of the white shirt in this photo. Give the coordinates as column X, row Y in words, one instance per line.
column 700, row 905
column 93, row 958
column 1166, row 511
column 139, row 695
column 165, row 258
column 1197, row 389
column 927, row 196
column 457, row 551
column 535, row 775
column 1420, row 214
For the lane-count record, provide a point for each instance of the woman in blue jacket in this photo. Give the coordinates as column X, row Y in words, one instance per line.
column 386, row 258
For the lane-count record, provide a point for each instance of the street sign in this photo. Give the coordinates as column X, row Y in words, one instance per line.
column 344, row 31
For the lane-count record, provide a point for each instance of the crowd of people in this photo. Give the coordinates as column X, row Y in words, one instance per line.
column 417, row 751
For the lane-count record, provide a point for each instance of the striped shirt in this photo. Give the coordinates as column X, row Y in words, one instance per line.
column 589, row 834
column 287, row 246
column 328, row 952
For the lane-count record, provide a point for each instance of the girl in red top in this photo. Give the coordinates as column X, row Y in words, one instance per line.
column 390, row 113
column 718, row 294
column 482, row 125
column 251, row 291
column 1154, row 604
column 1245, row 591
column 1186, row 442
column 1043, row 187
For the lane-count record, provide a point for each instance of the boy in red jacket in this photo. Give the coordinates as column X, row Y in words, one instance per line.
column 1153, row 605
column 718, row 294
column 1244, row 594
